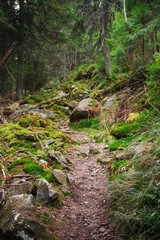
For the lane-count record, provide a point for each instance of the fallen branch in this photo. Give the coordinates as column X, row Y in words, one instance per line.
column 8, row 53
column 10, row 73
column 4, row 161
column 153, row 106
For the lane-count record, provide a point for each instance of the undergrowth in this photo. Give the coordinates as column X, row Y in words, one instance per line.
column 135, row 191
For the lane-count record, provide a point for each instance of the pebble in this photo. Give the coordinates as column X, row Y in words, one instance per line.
column 102, row 230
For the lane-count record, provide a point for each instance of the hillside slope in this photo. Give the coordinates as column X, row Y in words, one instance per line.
column 37, row 175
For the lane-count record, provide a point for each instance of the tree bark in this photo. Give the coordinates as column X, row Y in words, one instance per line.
column 19, row 87
column 143, row 49
column 64, row 66
column 105, row 35
column 124, row 7
column 75, row 60
column 156, row 38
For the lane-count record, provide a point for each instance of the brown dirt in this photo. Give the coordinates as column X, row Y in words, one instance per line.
column 83, row 216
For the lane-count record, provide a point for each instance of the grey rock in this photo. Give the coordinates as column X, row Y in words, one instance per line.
column 108, row 102
column 102, row 230
column 80, row 95
column 43, row 162
column 82, row 154
column 49, row 142
column 60, row 176
column 93, row 150
column 57, row 156
column 52, row 194
column 106, row 161
column 73, row 104
column 26, row 136
column 124, row 156
column 42, row 194
column 43, row 113
column 19, row 217
column 70, row 178
column 82, row 110
column 36, row 145
column 60, row 95
column 72, row 87
column 66, row 190
column 65, row 110
column 24, row 188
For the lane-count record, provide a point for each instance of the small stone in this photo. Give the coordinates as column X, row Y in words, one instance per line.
column 124, row 156
column 57, row 156
column 66, row 190
column 93, row 150
column 102, row 230
column 70, row 177
column 49, row 142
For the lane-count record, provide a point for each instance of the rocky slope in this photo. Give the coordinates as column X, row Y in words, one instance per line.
column 58, row 182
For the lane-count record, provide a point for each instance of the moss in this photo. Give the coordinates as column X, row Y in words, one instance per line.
column 31, row 120
column 33, row 168
column 92, row 123
column 48, row 176
column 122, row 130
column 19, row 162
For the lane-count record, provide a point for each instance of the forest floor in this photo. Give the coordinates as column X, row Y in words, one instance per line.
column 83, row 216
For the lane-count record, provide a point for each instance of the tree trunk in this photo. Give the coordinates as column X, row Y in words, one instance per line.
column 4, row 49
column 124, row 7
column 75, row 60
column 152, row 43
column 19, row 88
column 105, row 35
column 156, row 38
column 64, row 66
column 143, row 49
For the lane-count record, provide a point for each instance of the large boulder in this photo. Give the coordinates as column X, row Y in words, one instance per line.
column 82, row 111
column 19, row 220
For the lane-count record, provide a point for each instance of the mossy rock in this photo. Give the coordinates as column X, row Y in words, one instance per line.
column 30, row 120
column 122, row 130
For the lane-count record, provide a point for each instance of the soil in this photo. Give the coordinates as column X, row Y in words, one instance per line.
column 83, row 217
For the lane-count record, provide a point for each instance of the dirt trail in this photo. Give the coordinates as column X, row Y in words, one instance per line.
column 82, row 217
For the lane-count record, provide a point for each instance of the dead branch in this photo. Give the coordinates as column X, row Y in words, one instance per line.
column 10, row 73
column 8, row 53
column 4, row 161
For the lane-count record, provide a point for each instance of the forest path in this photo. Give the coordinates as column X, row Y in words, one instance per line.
column 82, row 217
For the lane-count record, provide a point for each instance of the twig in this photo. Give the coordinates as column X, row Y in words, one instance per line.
column 4, row 175
column 10, row 73
column 21, row 176
column 4, row 161
column 153, row 107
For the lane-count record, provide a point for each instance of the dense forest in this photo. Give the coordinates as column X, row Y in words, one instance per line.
column 82, row 74
column 42, row 40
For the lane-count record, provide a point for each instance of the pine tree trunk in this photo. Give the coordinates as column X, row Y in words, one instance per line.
column 75, row 60
column 156, row 38
column 105, row 48
column 19, row 88
column 64, row 66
